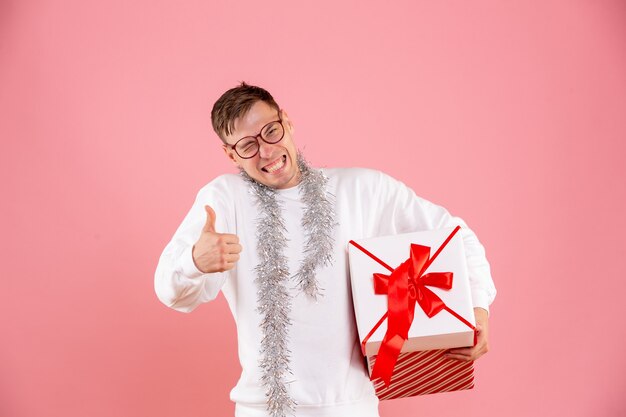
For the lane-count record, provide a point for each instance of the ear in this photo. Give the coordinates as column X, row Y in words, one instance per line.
column 231, row 155
column 287, row 122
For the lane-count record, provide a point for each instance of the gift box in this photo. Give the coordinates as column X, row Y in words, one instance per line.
column 412, row 302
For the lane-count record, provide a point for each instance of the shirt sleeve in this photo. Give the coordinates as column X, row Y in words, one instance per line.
column 410, row 213
column 177, row 281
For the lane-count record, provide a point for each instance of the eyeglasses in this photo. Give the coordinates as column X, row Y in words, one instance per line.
column 248, row 146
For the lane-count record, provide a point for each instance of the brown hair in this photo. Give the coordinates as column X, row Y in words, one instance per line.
column 235, row 103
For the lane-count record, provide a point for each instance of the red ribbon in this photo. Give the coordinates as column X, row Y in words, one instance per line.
column 404, row 287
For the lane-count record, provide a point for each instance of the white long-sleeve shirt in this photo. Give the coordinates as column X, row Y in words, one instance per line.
column 329, row 378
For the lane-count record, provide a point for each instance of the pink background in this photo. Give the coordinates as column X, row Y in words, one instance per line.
column 510, row 114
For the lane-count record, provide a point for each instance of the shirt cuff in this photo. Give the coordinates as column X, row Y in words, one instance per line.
column 190, row 270
column 480, row 299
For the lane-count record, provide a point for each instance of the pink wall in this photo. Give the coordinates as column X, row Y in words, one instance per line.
column 511, row 114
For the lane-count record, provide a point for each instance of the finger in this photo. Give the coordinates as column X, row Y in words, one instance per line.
column 209, row 225
column 231, row 258
column 234, row 248
column 227, row 266
column 461, row 351
column 457, row 357
column 229, row 239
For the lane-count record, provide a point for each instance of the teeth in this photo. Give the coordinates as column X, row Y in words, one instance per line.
column 279, row 164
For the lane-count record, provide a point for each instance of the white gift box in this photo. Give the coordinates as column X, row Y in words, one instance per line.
column 442, row 331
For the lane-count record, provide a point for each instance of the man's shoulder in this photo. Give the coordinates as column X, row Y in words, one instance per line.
column 223, row 184
column 356, row 175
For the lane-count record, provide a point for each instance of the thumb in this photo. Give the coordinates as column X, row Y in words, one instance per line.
column 209, row 226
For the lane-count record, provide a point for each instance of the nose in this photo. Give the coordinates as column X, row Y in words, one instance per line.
column 265, row 149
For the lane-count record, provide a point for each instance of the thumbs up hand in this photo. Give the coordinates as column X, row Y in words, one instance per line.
column 209, row 225
column 215, row 252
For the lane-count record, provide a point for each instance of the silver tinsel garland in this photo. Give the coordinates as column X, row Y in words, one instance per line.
column 274, row 301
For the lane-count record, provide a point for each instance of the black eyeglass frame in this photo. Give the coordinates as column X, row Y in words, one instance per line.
column 256, row 137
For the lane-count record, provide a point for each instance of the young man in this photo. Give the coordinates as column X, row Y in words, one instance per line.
column 274, row 240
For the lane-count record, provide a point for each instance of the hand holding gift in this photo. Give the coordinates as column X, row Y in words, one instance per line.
column 482, row 343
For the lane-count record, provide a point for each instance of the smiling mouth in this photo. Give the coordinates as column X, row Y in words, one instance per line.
column 275, row 165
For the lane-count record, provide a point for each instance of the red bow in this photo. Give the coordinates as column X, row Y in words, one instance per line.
column 406, row 285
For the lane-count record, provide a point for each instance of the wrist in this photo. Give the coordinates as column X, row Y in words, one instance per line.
column 189, row 266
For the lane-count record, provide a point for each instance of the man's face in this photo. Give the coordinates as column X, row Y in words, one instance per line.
column 275, row 165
